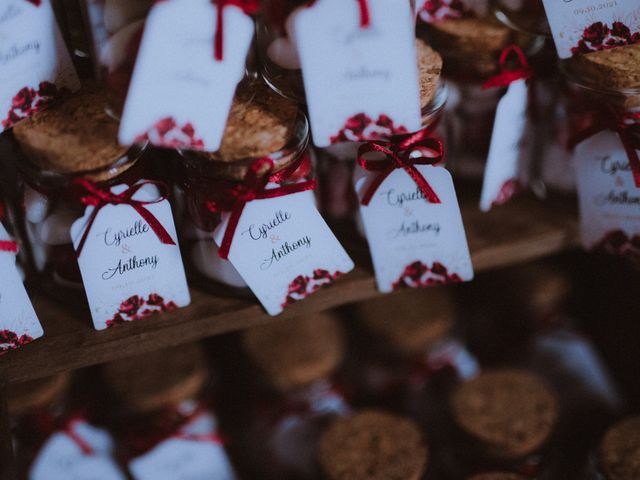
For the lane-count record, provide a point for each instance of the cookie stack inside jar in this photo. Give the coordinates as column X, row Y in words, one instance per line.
column 477, row 49
column 261, row 124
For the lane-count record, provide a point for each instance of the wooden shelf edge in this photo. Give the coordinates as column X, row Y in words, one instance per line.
column 70, row 342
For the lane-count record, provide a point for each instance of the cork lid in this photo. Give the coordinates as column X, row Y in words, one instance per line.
column 153, row 380
column 74, row 135
column 615, row 68
column 296, row 352
column 411, row 322
column 40, row 393
column 512, row 412
column 620, row 450
column 373, row 445
column 497, row 476
column 429, row 67
column 260, row 123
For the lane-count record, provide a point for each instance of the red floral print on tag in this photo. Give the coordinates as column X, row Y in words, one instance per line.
column 167, row 133
column 303, row 286
column 438, row 10
column 508, row 190
column 11, row 341
column 617, row 242
column 599, row 36
column 417, row 275
column 136, row 308
column 29, row 101
column 361, row 127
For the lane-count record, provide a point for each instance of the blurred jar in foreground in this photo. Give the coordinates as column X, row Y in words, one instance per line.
column 297, row 359
column 525, row 15
column 618, row 456
column 165, row 429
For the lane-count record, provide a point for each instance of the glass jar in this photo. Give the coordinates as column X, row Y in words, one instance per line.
column 202, row 176
column 73, row 140
column 164, row 424
column 618, row 455
column 279, row 62
column 116, row 31
column 296, row 395
column 373, row 444
column 502, row 419
column 525, row 15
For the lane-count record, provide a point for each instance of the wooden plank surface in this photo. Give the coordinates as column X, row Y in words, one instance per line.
column 520, row 231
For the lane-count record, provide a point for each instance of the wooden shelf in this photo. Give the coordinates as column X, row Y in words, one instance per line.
column 520, row 231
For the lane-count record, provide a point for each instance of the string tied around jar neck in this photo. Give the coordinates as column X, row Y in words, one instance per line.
column 234, row 198
column 100, row 198
column 46, row 424
column 250, row 7
column 8, row 246
column 507, row 76
column 400, row 152
column 608, row 118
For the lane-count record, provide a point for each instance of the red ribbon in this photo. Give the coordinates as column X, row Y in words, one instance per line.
column 99, row 199
column 250, row 7
column 234, row 198
column 7, row 245
column 507, row 77
column 399, row 154
column 610, row 119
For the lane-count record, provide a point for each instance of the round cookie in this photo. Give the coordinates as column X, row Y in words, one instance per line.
column 512, row 413
column 296, row 352
column 620, row 450
column 429, row 68
column 165, row 377
column 373, row 445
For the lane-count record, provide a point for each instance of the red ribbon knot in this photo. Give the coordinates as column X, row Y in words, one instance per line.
column 507, row 76
column 233, row 199
column 99, row 199
column 621, row 123
column 8, row 246
column 400, row 153
column 250, row 7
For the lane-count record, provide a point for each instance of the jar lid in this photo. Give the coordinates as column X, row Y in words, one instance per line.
column 296, row 352
column 411, row 322
column 373, row 445
column 429, row 67
column 497, row 476
column 151, row 381
column 472, row 46
column 620, row 450
column 35, row 394
column 616, row 70
column 511, row 412
column 74, row 135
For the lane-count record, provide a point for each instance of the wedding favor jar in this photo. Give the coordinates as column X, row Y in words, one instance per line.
column 164, row 424
column 373, row 444
column 71, row 141
column 336, row 163
column 297, row 361
column 502, row 419
column 618, row 455
column 471, row 49
column 261, row 125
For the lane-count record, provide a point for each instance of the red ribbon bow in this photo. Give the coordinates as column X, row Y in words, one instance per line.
column 250, row 7
column 99, row 199
column 610, row 119
column 507, row 77
column 235, row 198
column 399, row 154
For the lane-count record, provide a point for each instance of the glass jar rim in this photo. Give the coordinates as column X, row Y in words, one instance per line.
column 592, row 87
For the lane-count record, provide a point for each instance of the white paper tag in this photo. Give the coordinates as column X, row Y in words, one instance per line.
column 415, row 243
column 504, row 163
column 62, row 456
column 180, row 95
column 19, row 323
column 431, row 11
column 284, row 250
column 35, row 66
column 583, row 26
column 360, row 83
column 128, row 273
column 609, row 199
